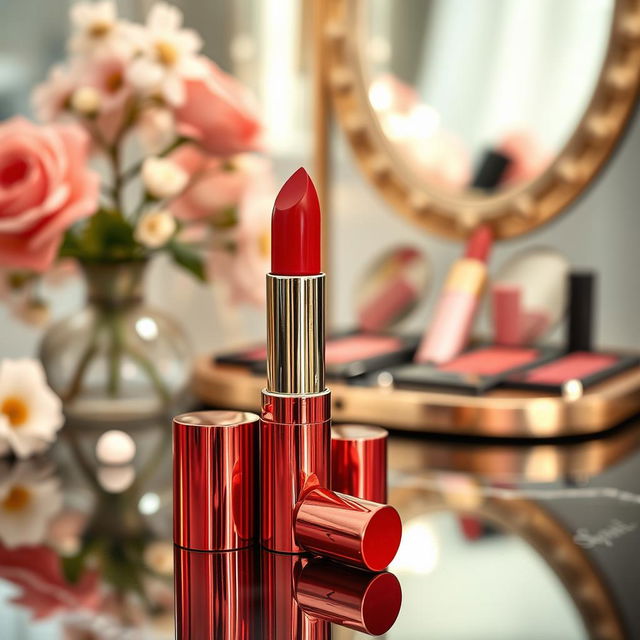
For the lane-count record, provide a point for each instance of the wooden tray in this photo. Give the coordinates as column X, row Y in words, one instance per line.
column 500, row 413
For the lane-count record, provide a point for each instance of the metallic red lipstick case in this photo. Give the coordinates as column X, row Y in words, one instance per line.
column 350, row 530
column 214, row 480
column 359, row 461
column 295, row 429
column 298, row 511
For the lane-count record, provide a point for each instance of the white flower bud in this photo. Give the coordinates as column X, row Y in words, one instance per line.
column 163, row 178
column 86, row 101
column 155, row 228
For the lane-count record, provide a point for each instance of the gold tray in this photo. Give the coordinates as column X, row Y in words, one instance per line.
column 502, row 413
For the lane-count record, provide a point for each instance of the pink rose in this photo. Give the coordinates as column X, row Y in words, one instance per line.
column 45, row 186
column 213, row 188
column 219, row 113
column 244, row 267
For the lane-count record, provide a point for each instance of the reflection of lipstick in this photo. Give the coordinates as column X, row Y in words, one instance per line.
column 216, row 594
column 282, row 617
column 456, row 308
column 355, row 599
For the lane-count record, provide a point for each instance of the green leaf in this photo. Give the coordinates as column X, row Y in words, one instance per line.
column 225, row 219
column 189, row 259
column 109, row 236
column 70, row 247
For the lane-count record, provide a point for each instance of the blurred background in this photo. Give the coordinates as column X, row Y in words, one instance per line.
column 492, row 538
column 600, row 231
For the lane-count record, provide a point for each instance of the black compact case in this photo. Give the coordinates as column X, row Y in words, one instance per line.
column 419, row 376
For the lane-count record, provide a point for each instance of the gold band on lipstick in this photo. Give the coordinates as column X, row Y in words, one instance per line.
column 295, row 334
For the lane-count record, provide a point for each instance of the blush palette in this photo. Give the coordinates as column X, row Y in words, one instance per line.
column 348, row 355
column 586, row 367
column 475, row 371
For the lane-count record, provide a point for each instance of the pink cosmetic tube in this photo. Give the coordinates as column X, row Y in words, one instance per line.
column 455, row 311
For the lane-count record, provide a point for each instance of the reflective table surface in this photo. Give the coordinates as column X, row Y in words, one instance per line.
column 501, row 541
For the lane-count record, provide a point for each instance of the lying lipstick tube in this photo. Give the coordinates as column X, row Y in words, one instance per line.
column 350, row 530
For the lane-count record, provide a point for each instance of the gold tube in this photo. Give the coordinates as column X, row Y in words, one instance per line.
column 295, row 334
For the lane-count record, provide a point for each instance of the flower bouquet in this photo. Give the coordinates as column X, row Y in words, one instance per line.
column 144, row 149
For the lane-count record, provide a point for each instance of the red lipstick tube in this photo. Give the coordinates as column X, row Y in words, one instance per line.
column 350, row 530
column 214, row 492
column 359, row 461
column 295, row 431
column 296, row 513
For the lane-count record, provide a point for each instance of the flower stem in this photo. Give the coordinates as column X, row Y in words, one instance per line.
column 115, row 353
column 75, row 386
column 152, row 373
column 134, row 170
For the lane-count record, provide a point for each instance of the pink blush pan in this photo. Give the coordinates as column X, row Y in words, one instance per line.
column 573, row 366
column 587, row 367
column 491, row 361
column 359, row 347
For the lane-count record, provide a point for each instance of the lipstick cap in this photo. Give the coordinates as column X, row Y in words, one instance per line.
column 356, row 532
column 359, row 600
column 214, row 492
column 359, row 461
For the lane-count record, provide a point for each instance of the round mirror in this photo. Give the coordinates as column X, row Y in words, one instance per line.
column 392, row 287
column 482, row 96
column 490, row 111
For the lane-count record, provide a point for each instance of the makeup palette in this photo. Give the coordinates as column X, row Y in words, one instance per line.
column 585, row 367
column 510, row 388
column 474, row 372
column 348, row 355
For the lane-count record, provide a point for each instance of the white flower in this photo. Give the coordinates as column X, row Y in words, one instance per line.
column 86, row 101
column 98, row 32
column 33, row 311
column 156, row 127
column 169, row 55
column 50, row 97
column 30, row 412
column 163, row 178
column 29, row 497
column 155, row 228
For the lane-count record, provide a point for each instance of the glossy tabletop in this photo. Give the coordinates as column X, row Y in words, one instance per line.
column 501, row 541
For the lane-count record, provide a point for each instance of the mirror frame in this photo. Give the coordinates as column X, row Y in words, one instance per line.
column 518, row 210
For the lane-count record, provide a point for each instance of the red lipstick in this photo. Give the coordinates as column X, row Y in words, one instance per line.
column 295, row 228
column 298, row 511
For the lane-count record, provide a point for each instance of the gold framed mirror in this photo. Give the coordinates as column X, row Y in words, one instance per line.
column 596, row 109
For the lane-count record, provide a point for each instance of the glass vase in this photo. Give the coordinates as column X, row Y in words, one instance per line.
column 117, row 359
